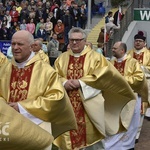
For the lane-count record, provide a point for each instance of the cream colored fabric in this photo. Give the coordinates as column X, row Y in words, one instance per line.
column 20, row 133
column 95, row 111
column 47, row 126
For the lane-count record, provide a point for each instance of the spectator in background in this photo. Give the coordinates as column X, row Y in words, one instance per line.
column 31, row 26
column 64, row 6
column 48, row 25
column 38, row 25
column 101, row 36
column 45, row 14
column 74, row 11
column 53, row 48
column 39, row 12
column 7, row 15
column 41, row 33
column 14, row 28
column 2, row 11
column 68, row 22
column 83, row 16
column 4, row 32
column 23, row 25
column 37, row 48
column 110, row 14
column 24, row 14
column 59, row 30
column 56, row 13
column 18, row 7
column 8, row 5
column 14, row 15
column 110, row 26
column 4, row 20
column 32, row 14
column 32, row 4
column 51, row 17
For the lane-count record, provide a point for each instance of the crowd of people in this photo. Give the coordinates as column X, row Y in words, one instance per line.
column 81, row 101
column 42, row 18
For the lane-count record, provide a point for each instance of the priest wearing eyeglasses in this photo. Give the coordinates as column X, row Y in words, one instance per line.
column 98, row 93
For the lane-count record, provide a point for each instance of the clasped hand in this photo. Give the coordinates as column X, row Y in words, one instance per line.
column 72, row 84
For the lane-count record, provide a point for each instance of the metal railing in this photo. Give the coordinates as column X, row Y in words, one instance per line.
column 118, row 34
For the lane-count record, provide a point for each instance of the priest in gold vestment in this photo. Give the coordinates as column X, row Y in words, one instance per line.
column 98, row 94
column 142, row 55
column 133, row 74
column 33, row 88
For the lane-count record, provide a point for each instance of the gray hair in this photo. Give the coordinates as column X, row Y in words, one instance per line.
column 39, row 41
column 77, row 30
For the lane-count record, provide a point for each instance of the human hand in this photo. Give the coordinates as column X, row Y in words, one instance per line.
column 70, row 85
column 76, row 83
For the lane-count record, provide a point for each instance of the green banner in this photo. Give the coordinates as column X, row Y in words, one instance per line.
column 142, row 15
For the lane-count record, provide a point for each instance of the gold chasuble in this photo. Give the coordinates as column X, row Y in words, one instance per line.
column 143, row 57
column 37, row 88
column 133, row 74
column 93, row 125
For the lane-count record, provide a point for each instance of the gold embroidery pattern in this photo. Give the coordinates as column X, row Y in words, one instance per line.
column 19, row 83
column 75, row 71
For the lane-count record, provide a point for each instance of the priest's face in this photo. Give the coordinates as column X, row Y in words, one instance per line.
column 139, row 44
column 117, row 51
column 21, row 46
column 77, row 42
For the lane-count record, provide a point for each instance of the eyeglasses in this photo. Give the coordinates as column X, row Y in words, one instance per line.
column 76, row 40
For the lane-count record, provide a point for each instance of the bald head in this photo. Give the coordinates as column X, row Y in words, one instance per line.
column 119, row 49
column 22, row 44
column 24, row 34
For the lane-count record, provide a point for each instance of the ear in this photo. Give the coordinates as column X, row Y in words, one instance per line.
column 32, row 47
